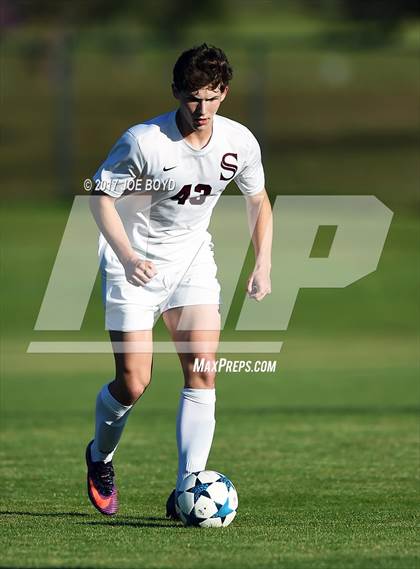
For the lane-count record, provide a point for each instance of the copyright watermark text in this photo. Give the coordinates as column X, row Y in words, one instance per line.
column 129, row 185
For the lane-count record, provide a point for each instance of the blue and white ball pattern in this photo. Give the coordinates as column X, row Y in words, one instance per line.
column 206, row 499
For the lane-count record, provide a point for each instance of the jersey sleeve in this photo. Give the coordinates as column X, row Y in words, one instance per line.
column 124, row 162
column 250, row 179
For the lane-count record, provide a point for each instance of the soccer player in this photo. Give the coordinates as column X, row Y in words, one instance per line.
column 157, row 257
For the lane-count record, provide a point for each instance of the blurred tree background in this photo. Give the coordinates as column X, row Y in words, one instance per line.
column 329, row 87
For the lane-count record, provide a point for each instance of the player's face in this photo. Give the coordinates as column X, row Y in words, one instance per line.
column 198, row 108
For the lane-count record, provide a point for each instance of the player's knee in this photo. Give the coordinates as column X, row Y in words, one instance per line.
column 134, row 382
column 201, row 371
column 137, row 390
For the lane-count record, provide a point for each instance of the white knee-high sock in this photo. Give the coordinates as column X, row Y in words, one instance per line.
column 194, row 430
column 111, row 417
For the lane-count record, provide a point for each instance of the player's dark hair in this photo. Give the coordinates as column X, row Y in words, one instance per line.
column 201, row 66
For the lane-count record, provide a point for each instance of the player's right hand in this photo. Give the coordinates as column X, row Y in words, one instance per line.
column 139, row 272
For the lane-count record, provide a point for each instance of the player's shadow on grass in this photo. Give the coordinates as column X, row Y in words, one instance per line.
column 147, row 521
column 144, row 522
column 47, row 514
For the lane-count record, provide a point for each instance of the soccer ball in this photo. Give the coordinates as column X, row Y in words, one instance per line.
column 206, row 499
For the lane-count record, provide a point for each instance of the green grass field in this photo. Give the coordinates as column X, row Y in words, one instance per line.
column 323, row 452
column 320, row 484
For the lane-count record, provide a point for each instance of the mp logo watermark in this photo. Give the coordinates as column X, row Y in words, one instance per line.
column 360, row 225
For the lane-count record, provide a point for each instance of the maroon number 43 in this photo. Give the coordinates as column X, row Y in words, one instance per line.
column 184, row 194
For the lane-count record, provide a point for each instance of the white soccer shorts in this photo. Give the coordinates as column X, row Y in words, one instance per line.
column 129, row 308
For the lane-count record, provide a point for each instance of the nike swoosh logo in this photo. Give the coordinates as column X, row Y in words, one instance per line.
column 171, row 168
column 102, row 501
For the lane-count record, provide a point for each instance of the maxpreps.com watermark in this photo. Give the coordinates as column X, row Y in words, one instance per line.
column 234, row 366
column 130, row 185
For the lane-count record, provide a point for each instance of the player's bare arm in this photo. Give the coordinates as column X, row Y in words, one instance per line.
column 138, row 272
column 260, row 221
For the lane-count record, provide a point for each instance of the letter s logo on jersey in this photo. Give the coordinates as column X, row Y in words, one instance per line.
column 228, row 165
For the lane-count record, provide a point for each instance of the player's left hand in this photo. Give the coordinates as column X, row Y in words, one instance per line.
column 259, row 284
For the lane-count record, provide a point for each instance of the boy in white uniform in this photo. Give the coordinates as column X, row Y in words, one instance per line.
column 153, row 201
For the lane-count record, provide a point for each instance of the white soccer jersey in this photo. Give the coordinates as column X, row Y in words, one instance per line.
column 167, row 189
